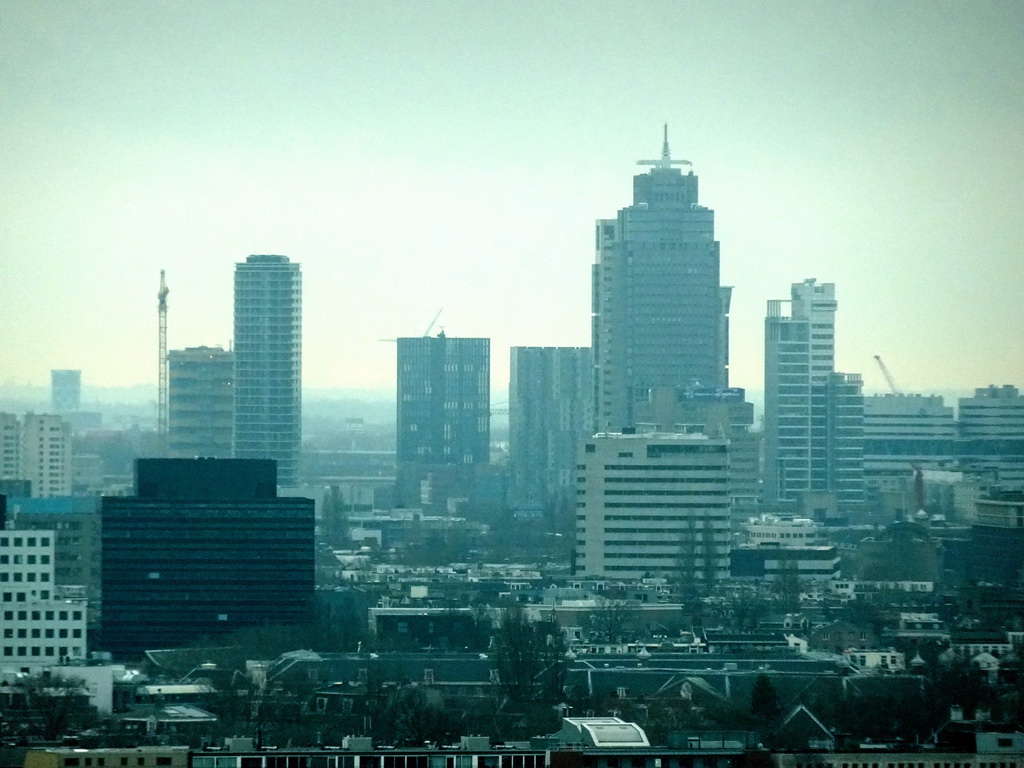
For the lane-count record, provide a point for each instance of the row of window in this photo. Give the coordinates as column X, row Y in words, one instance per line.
column 30, row 541
column 74, row 762
column 36, row 650
column 42, row 615
column 36, row 632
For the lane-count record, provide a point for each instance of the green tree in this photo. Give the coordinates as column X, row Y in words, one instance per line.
column 764, row 700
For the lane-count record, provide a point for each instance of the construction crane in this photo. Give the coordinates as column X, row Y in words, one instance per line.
column 426, row 332
column 162, row 402
column 888, row 376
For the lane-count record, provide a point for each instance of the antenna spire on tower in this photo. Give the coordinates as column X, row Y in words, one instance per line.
column 666, row 160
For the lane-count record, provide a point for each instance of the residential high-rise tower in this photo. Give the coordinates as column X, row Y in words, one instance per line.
column 200, row 402
column 813, row 416
column 659, row 312
column 268, row 363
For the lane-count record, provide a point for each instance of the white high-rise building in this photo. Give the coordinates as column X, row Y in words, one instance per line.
column 39, row 626
column 653, row 505
column 268, row 363
column 813, row 415
column 46, row 454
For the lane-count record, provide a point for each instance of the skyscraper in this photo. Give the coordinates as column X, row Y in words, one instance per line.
column 659, row 313
column 814, row 416
column 992, row 436
column 444, row 412
column 268, row 363
column 46, row 454
column 201, row 402
column 549, row 410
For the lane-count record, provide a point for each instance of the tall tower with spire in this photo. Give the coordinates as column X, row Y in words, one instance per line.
column 659, row 311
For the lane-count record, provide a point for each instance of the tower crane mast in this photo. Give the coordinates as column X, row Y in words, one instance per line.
column 162, row 401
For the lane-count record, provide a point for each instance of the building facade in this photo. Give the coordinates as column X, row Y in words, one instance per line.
column 444, row 416
column 268, row 363
column 65, row 391
column 40, row 625
column 46, row 454
column 659, row 313
column 992, row 437
column 814, row 416
column 653, row 505
column 10, row 447
column 205, row 547
column 550, row 408
column 200, row 402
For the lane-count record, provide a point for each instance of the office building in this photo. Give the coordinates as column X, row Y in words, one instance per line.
column 715, row 413
column 997, row 539
column 659, row 313
column 46, row 454
column 444, row 412
column 550, row 409
column 40, row 624
column 904, row 433
column 205, row 547
column 814, row 416
column 653, row 505
column 200, row 402
column 268, row 363
column 65, row 391
column 992, row 437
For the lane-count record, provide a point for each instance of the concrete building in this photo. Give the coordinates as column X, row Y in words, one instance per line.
column 444, row 417
column 814, row 416
column 65, row 391
column 783, row 531
column 997, row 539
column 659, row 313
column 715, row 413
column 771, row 562
column 550, row 408
column 46, row 454
column 200, row 402
column 902, row 432
column 10, row 447
column 204, row 547
column 74, row 522
column 268, row 363
column 653, row 504
column 39, row 625
column 992, row 437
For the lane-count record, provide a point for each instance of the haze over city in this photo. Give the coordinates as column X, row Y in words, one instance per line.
column 418, row 156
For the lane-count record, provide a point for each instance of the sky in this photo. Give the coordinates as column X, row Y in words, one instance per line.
column 414, row 156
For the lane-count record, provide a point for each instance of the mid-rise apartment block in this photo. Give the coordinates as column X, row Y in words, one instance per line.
column 814, row 416
column 40, row 625
column 653, row 505
column 46, row 454
column 200, row 402
column 550, row 409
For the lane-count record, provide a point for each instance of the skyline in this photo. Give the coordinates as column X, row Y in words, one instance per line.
column 413, row 158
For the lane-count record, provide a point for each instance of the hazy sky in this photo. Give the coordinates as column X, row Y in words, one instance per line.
column 418, row 155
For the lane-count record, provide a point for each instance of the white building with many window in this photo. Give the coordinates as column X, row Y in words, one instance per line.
column 652, row 505
column 40, row 625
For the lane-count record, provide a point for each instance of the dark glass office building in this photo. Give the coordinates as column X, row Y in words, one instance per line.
column 205, row 547
column 444, row 412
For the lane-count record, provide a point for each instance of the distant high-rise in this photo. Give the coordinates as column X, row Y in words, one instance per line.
column 10, row 447
column 659, row 313
column 268, row 363
column 444, row 412
column 65, row 391
column 201, row 402
column 813, row 416
column 550, row 408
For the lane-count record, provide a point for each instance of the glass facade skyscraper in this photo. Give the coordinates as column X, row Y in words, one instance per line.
column 268, row 363
column 659, row 312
